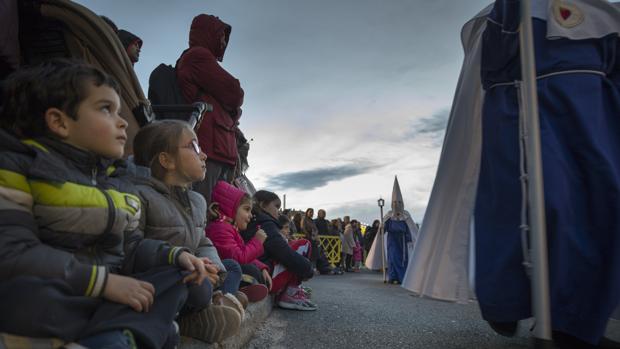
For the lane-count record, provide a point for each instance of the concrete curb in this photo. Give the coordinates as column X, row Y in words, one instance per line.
column 255, row 314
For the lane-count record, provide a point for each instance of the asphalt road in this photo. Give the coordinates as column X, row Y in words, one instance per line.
column 358, row 311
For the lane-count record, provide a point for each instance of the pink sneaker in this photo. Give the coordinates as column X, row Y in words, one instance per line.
column 302, row 293
column 293, row 298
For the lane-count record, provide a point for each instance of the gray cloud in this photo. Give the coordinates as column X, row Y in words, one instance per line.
column 431, row 125
column 366, row 211
column 318, row 177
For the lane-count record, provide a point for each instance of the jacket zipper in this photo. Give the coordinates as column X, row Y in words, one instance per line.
column 187, row 216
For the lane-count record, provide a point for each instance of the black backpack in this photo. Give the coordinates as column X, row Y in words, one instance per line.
column 167, row 100
column 164, row 87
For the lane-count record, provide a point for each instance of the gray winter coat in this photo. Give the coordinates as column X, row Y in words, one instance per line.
column 348, row 242
column 176, row 215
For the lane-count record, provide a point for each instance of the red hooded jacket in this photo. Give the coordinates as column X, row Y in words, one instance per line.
column 224, row 234
column 230, row 245
column 201, row 78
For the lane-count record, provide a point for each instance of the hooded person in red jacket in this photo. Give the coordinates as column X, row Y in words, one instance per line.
column 201, row 78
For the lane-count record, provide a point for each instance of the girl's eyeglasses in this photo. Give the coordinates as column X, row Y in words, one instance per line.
column 193, row 145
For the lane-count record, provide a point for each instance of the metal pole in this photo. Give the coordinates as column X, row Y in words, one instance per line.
column 538, row 235
column 284, row 202
column 382, row 247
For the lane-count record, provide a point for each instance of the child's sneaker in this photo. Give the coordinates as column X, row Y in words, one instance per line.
column 307, row 291
column 243, row 299
column 294, row 299
column 255, row 293
column 212, row 325
column 230, row 301
column 302, row 294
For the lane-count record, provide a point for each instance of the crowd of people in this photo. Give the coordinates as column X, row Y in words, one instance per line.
column 109, row 249
column 355, row 245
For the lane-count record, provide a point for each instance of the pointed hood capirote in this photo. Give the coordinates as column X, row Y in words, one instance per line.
column 397, row 213
column 398, row 205
column 206, row 31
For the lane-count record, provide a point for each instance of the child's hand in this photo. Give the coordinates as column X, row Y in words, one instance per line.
column 213, row 278
column 129, row 291
column 261, row 235
column 194, row 264
column 212, row 268
column 267, row 278
column 212, row 271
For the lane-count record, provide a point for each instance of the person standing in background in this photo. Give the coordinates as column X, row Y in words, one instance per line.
column 202, row 79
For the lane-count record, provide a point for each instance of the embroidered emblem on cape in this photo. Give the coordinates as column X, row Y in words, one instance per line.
column 567, row 15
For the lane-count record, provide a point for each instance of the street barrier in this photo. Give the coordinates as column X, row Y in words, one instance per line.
column 332, row 246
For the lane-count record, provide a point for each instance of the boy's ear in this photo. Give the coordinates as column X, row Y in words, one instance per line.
column 166, row 161
column 57, row 122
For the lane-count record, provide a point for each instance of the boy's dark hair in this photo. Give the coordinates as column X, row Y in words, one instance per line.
column 59, row 83
column 155, row 138
column 283, row 219
column 263, row 197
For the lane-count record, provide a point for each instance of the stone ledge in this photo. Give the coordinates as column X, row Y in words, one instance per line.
column 255, row 314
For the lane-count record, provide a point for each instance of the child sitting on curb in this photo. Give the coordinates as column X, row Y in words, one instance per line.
column 72, row 263
column 230, row 212
column 169, row 160
column 290, row 260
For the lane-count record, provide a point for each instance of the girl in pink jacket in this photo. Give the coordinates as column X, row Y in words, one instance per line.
column 229, row 213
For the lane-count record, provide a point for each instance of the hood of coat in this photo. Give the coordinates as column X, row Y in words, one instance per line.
column 206, row 31
column 127, row 38
column 228, row 197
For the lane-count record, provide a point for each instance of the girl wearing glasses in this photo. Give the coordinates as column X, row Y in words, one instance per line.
column 169, row 150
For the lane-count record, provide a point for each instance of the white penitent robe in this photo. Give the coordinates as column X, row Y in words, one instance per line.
column 440, row 262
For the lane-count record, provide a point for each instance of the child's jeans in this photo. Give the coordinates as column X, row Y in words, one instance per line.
column 198, row 297
column 108, row 340
column 233, row 276
column 41, row 307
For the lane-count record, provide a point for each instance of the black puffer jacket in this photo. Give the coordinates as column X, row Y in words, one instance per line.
column 277, row 250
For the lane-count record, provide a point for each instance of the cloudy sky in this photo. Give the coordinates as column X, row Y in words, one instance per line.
column 340, row 95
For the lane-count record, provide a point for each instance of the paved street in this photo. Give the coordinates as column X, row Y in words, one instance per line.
column 359, row 311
